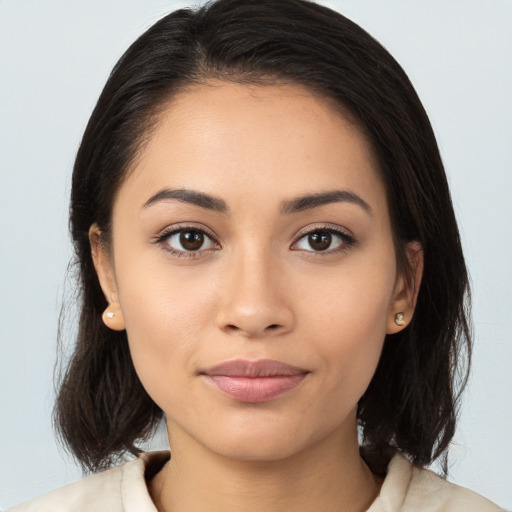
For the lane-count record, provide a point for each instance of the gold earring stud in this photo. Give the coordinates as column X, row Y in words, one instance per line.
column 399, row 319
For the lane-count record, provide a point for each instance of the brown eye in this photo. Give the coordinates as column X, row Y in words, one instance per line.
column 320, row 241
column 189, row 240
column 326, row 240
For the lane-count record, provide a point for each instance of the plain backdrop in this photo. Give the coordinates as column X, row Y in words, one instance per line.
column 54, row 59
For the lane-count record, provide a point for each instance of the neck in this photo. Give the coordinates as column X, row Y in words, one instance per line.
column 330, row 476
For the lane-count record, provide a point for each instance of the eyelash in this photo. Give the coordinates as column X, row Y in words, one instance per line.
column 165, row 235
column 347, row 240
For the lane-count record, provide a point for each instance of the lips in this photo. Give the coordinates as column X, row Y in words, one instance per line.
column 254, row 381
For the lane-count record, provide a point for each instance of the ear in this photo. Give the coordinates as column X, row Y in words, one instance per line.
column 112, row 316
column 406, row 290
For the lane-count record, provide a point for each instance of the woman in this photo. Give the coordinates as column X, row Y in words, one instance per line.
column 269, row 258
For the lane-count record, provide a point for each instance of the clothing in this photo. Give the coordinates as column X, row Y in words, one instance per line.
column 124, row 489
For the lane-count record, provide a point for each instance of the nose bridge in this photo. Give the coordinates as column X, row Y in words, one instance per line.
column 254, row 303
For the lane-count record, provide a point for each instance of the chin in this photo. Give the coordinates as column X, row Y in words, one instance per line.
column 271, row 450
column 264, row 443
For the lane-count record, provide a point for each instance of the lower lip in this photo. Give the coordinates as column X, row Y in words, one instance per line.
column 255, row 389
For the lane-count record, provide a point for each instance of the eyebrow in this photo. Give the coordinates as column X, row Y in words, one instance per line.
column 189, row 196
column 316, row 200
column 298, row 204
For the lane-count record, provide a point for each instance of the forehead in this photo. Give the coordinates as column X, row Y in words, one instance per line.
column 266, row 142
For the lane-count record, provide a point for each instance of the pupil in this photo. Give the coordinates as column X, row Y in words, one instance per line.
column 320, row 241
column 191, row 240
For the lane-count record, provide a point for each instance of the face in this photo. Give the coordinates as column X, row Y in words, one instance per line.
column 253, row 268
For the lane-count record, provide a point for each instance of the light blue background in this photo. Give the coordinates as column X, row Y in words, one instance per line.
column 54, row 59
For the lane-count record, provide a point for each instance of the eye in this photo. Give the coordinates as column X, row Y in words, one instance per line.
column 323, row 240
column 187, row 240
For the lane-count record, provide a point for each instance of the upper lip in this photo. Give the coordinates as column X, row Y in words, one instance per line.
column 260, row 368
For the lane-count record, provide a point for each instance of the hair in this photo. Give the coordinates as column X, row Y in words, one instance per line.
column 102, row 410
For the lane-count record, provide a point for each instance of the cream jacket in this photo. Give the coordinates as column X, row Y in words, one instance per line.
column 124, row 489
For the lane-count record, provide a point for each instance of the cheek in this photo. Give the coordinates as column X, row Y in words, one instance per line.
column 353, row 301
column 165, row 313
column 351, row 314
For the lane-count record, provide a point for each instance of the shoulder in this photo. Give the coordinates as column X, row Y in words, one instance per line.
column 91, row 493
column 121, row 489
column 407, row 489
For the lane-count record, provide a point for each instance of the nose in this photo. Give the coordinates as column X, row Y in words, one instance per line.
column 255, row 298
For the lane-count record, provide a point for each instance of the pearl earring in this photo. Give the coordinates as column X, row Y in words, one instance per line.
column 399, row 319
column 113, row 317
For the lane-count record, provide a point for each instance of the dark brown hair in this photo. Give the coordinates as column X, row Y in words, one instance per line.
column 102, row 409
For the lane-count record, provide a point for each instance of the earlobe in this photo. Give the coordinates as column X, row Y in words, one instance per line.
column 406, row 291
column 112, row 316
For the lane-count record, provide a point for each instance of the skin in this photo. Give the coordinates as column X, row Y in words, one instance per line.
column 256, row 289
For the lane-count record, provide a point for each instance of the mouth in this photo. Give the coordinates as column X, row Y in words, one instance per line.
column 254, row 381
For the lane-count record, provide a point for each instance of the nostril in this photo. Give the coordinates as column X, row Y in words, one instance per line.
column 253, row 331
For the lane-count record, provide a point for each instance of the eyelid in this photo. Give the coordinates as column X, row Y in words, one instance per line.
column 343, row 233
column 333, row 228
column 167, row 232
column 183, row 226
